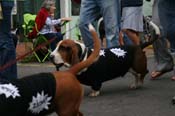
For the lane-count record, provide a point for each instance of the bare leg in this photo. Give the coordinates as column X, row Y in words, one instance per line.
column 133, row 35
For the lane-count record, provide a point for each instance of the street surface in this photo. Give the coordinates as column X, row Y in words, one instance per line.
column 116, row 99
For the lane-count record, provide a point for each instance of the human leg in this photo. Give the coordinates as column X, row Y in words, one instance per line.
column 171, row 34
column 132, row 23
column 111, row 15
column 167, row 21
column 133, row 35
column 8, row 55
column 88, row 13
column 57, row 37
column 163, row 57
column 7, row 48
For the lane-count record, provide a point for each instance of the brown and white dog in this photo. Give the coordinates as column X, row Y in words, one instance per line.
column 113, row 62
column 39, row 94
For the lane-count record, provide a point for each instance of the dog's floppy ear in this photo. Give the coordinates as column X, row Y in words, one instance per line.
column 74, row 58
column 71, row 50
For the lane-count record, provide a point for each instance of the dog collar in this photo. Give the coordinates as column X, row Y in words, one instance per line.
column 81, row 53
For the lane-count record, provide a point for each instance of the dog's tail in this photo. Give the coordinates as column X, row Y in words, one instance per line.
column 156, row 34
column 94, row 55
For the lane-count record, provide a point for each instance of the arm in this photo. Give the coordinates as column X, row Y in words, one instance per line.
column 50, row 21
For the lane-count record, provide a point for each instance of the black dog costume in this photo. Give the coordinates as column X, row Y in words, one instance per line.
column 113, row 62
column 33, row 94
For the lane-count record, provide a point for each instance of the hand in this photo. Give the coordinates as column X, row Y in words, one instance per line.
column 66, row 19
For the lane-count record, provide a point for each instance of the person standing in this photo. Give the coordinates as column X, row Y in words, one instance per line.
column 132, row 19
column 167, row 13
column 163, row 57
column 91, row 10
column 7, row 47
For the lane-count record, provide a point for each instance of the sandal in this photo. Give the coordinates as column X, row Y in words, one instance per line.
column 173, row 78
column 156, row 74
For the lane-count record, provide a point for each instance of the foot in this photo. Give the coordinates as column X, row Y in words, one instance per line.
column 94, row 93
column 173, row 100
column 156, row 74
column 173, row 78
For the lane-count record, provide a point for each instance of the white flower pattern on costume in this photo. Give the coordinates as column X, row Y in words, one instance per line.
column 102, row 53
column 39, row 103
column 9, row 90
column 118, row 52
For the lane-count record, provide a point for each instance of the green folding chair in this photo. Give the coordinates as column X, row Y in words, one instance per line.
column 43, row 53
column 29, row 22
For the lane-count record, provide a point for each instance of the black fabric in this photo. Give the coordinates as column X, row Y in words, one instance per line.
column 131, row 3
column 107, row 67
column 29, row 87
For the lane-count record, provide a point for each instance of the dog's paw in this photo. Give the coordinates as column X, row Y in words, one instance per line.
column 94, row 93
column 173, row 100
column 133, row 86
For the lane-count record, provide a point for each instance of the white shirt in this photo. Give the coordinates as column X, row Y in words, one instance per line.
column 49, row 25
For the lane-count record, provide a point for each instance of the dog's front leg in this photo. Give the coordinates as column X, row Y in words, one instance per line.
column 94, row 93
column 134, row 83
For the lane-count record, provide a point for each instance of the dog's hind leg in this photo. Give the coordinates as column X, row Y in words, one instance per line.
column 137, row 79
column 69, row 105
column 95, row 89
column 94, row 93
column 69, row 94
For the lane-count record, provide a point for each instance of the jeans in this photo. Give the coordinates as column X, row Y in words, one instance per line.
column 110, row 11
column 7, row 47
column 167, row 20
column 58, row 38
column 163, row 57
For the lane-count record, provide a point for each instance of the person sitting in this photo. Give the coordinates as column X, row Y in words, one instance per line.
column 44, row 23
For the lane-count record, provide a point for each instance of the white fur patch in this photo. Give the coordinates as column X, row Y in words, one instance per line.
column 91, row 27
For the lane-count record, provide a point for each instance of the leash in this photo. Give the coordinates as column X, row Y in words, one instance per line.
column 26, row 54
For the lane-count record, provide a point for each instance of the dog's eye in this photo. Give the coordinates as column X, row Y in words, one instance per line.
column 63, row 48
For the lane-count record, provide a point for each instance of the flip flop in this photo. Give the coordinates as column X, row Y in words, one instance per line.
column 173, row 78
column 156, row 74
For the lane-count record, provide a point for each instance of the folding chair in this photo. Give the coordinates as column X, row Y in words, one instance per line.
column 29, row 22
column 43, row 53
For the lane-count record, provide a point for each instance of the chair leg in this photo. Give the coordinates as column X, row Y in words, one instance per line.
column 37, row 57
column 46, row 56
